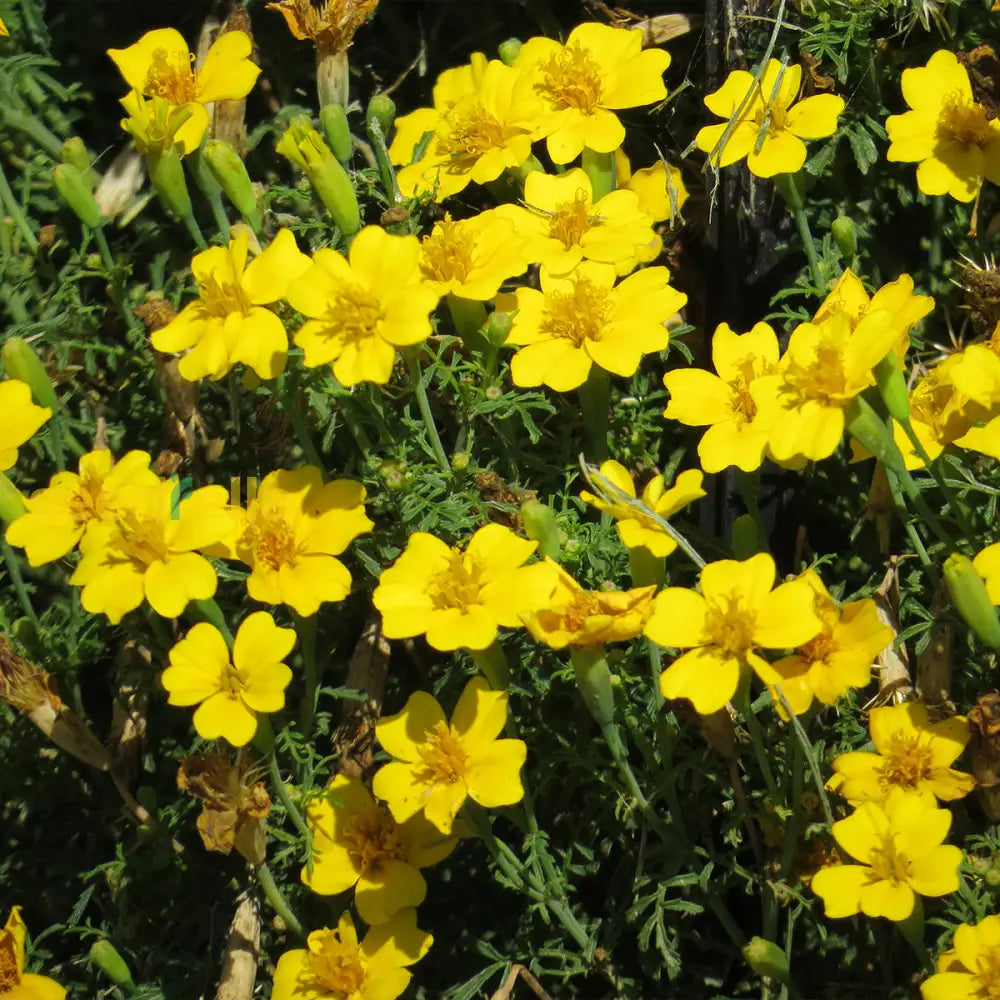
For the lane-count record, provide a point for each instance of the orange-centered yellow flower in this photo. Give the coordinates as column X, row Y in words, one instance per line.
column 899, row 845
column 59, row 515
column 229, row 323
column 563, row 225
column 970, row 969
column 762, row 124
column 911, row 753
column 357, row 844
column 583, row 319
column 440, row 764
column 291, row 533
column 736, row 613
column 15, row 983
column 584, row 619
column 334, row 965
column 460, row 598
column 149, row 551
column 20, row 421
column 362, row 308
column 737, row 428
column 230, row 693
column 600, row 70
column 634, row 528
column 952, row 136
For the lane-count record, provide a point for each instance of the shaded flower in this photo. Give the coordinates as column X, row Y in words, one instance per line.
column 440, row 764
column 230, row 691
column 970, row 969
column 460, row 598
column 15, row 983
column 22, row 418
column 357, row 844
column 899, row 845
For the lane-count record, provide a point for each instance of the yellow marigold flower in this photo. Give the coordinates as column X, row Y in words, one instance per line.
column 635, row 529
column 586, row 618
column 482, row 134
column 911, row 753
column 291, row 533
column 970, row 969
column 22, row 418
column 661, row 190
column 460, row 599
column 156, row 125
column 230, row 693
column 440, row 764
column 229, row 323
column 334, row 965
column 737, row 428
column 899, row 845
column 59, row 515
column 840, row 657
column 736, row 613
column 149, row 551
column 946, row 131
column 767, row 130
column 563, row 225
column 583, row 319
column 974, row 376
column 362, row 308
column 600, row 70
column 823, row 368
column 472, row 258
column 357, row 844
column 15, row 983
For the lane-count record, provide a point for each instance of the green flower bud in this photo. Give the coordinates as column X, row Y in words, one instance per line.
column 865, row 425
column 845, row 235
column 333, row 121
column 22, row 363
column 106, row 957
column 230, row 173
column 382, row 109
column 460, row 461
column 766, row 958
column 593, row 678
column 971, row 601
column 540, row 526
column 746, row 537
column 203, row 176
column 167, row 175
column 509, row 51
column 11, row 501
column 891, row 384
column 74, row 153
column 74, row 189
column 498, row 328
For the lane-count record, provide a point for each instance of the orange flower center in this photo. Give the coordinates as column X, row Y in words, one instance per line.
column 271, row 539
column 817, row 649
column 171, row 77
column 231, row 682
column 443, row 755
column 8, row 963
column 570, row 221
column 222, row 298
column 457, row 586
column 770, row 120
column 730, row 625
column 908, row 762
column 987, row 975
column 887, row 863
column 140, row 538
column 472, row 131
column 578, row 315
column 572, row 79
column 448, row 253
column 354, row 315
column 337, row 971
column 964, row 122
column 822, row 381
column 87, row 502
column 372, row 837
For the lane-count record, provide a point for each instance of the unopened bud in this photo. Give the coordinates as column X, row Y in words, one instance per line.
column 381, row 109
column 460, row 461
column 74, row 152
column 333, row 121
column 766, row 958
column 970, row 598
column 106, row 957
column 891, row 384
column 75, row 190
column 232, row 177
column 509, row 51
column 746, row 537
column 21, row 362
column 845, row 235
column 540, row 526
column 167, row 175
column 498, row 328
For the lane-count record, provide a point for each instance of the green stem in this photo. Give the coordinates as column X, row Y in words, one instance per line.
column 13, row 207
column 14, row 569
column 492, row 664
column 221, row 219
column 788, row 185
column 118, row 289
column 278, row 901
column 194, row 231
column 386, row 172
column 209, row 611
column 286, row 395
column 748, row 484
column 915, row 540
column 757, row 739
column 595, row 407
column 807, row 749
column 33, row 129
column 926, row 514
column 423, row 404
column 307, row 635
column 600, row 168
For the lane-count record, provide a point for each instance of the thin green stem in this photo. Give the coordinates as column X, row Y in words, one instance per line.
column 286, row 396
column 927, row 515
column 266, row 881
column 807, row 749
column 31, row 127
column 194, row 231
column 13, row 207
column 492, row 664
column 285, row 799
column 307, row 636
column 787, row 184
column 748, row 484
column 10, row 559
column 757, row 740
column 219, row 214
column 117, row 288
column 655, row 669
column 915, row 540
column 423, row 404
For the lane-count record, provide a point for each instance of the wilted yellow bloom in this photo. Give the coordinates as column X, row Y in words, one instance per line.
column 22, row 418
column 331, row 25
column 15, row 983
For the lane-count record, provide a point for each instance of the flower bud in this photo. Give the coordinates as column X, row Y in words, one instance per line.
column 746, row 537
column 382, row 109
column 971, row 601
column 106, row 957
column 167, row 175
column 230, row 173
column 865, row 425
column 11, row 501
column 203, row 176
column 460, row 461
column 74, row 153
column 766, row 958
column 891, row 384
column 498, row 327
column 845, row 235
column 333, row 121
column 22, row 363
column 509, row 51
column 540, row 526
column 593, row 678
column 74, row 189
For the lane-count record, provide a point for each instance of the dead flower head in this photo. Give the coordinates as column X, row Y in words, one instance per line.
column 331, row 25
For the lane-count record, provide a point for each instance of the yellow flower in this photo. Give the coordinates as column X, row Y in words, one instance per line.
column 840, row 657
column 736, row 613
column 157, row 126
column 899, row 845
column 767, row 130
column 660, row 188
column 362, row 308
column 582, row 319
column 59, row 516
column 290, row 534
column 21, row 419
column 440, row 764
column 15, row 983
column 563, row 225
column 228, row 323
column 357, row 844
column 472, row 258
column 911, row 753
column 737, row 429
column 586, row 618
column 335, row 966
column 823, row 368
column 4, row 33
column 987, row 565
column 635, row 529
column 946, row 131
column 970, row 969
column 148, row 551
column 230, row 693
column 482, row 134
column 600, row 70
column 460, row 599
